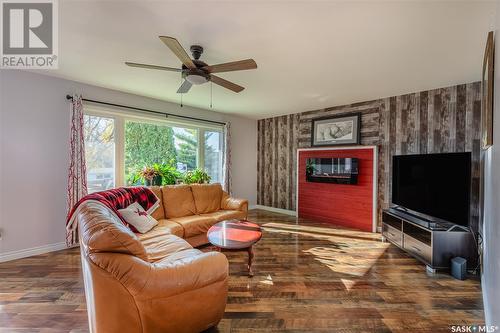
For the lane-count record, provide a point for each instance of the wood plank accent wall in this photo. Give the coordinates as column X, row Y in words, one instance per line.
column 434, row 121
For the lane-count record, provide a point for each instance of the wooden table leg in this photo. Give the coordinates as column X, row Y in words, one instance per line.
column 250, row 259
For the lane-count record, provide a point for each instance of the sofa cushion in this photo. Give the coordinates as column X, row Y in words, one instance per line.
column 163, row 246
column 195, row 224
column 164, row 227
column 159, row 212
column 178, row 201
column 207, row 197
column 173, row 227
column 222, row 215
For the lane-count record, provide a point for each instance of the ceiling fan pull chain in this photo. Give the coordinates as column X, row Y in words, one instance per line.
column 211, row 95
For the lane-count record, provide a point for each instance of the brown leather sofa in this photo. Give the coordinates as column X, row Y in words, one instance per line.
column 156, row 282
column 188, row 211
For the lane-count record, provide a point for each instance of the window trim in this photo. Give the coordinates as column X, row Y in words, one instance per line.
column 120, row 116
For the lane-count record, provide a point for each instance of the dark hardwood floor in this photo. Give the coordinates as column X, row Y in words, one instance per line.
column 309, row 277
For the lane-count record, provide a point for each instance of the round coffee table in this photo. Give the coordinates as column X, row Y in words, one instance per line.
column 235, row 235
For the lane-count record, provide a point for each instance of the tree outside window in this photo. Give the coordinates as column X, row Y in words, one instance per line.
column 147, row 144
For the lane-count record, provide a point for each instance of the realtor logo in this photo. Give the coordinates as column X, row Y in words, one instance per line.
column 29, row 34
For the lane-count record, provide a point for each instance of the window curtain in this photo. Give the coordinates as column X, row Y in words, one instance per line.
column 77, row 175
column 226, row 165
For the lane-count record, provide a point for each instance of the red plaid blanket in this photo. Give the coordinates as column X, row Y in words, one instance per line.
column 113, row 199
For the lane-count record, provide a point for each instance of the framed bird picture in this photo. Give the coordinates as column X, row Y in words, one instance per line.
column 336, row 131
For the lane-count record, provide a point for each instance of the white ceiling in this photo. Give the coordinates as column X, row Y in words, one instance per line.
column 310, row 54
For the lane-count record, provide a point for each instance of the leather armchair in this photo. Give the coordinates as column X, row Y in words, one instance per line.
column 128, row 290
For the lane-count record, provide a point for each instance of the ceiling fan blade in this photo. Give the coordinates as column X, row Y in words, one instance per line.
column 174, row 45
column 184, row 88
column 232, row 66
column 135, row 64
column 226, row 84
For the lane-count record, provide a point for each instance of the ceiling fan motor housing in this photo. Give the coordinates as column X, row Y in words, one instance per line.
column 196, row 75
column 196, row 51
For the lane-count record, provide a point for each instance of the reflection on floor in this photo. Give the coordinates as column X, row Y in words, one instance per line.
column 344, row 250
column 309, row 277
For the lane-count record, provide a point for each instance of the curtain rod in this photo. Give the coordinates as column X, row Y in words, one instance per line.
column 69, row 97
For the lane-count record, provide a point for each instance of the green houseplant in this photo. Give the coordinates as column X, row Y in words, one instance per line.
column 168, row 172
column 157, row 174
column 196, row 176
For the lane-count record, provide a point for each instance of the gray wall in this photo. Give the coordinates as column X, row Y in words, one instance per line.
column 491, row 221
column 34, row 134
column 439, row 120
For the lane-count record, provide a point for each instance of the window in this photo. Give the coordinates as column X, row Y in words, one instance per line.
column 118, row 144
column 99, row 152
column 186, row 144
column 213, row 155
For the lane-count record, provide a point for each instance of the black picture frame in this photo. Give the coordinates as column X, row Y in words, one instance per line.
column 487, row 91
column 356, row 130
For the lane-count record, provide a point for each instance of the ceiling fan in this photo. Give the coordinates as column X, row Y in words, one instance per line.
column 195, row 71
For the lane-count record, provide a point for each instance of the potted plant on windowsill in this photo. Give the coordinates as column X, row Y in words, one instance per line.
column 197, row 176
column 156, row 175
column 168, row 173
column 151, row 176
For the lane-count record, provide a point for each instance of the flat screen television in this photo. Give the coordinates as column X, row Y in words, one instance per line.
column 434, row 186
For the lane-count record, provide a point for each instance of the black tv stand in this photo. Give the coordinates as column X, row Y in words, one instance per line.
column 433, row 243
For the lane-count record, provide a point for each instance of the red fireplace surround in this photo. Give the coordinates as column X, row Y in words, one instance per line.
column 351, row 206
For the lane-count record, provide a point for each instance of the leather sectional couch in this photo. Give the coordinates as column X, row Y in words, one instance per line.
column 188, row 211
column 157, row 282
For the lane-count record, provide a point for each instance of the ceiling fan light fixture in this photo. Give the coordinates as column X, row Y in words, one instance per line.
column 195, row 71
column 196, row 79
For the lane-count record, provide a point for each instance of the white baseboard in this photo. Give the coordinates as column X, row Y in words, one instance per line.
column 274, row 210
column 8, row 256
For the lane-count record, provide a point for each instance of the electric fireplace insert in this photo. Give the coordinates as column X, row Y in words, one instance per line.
column 332, row 170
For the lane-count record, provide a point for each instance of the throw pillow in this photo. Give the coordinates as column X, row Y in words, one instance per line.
column 138, row 217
